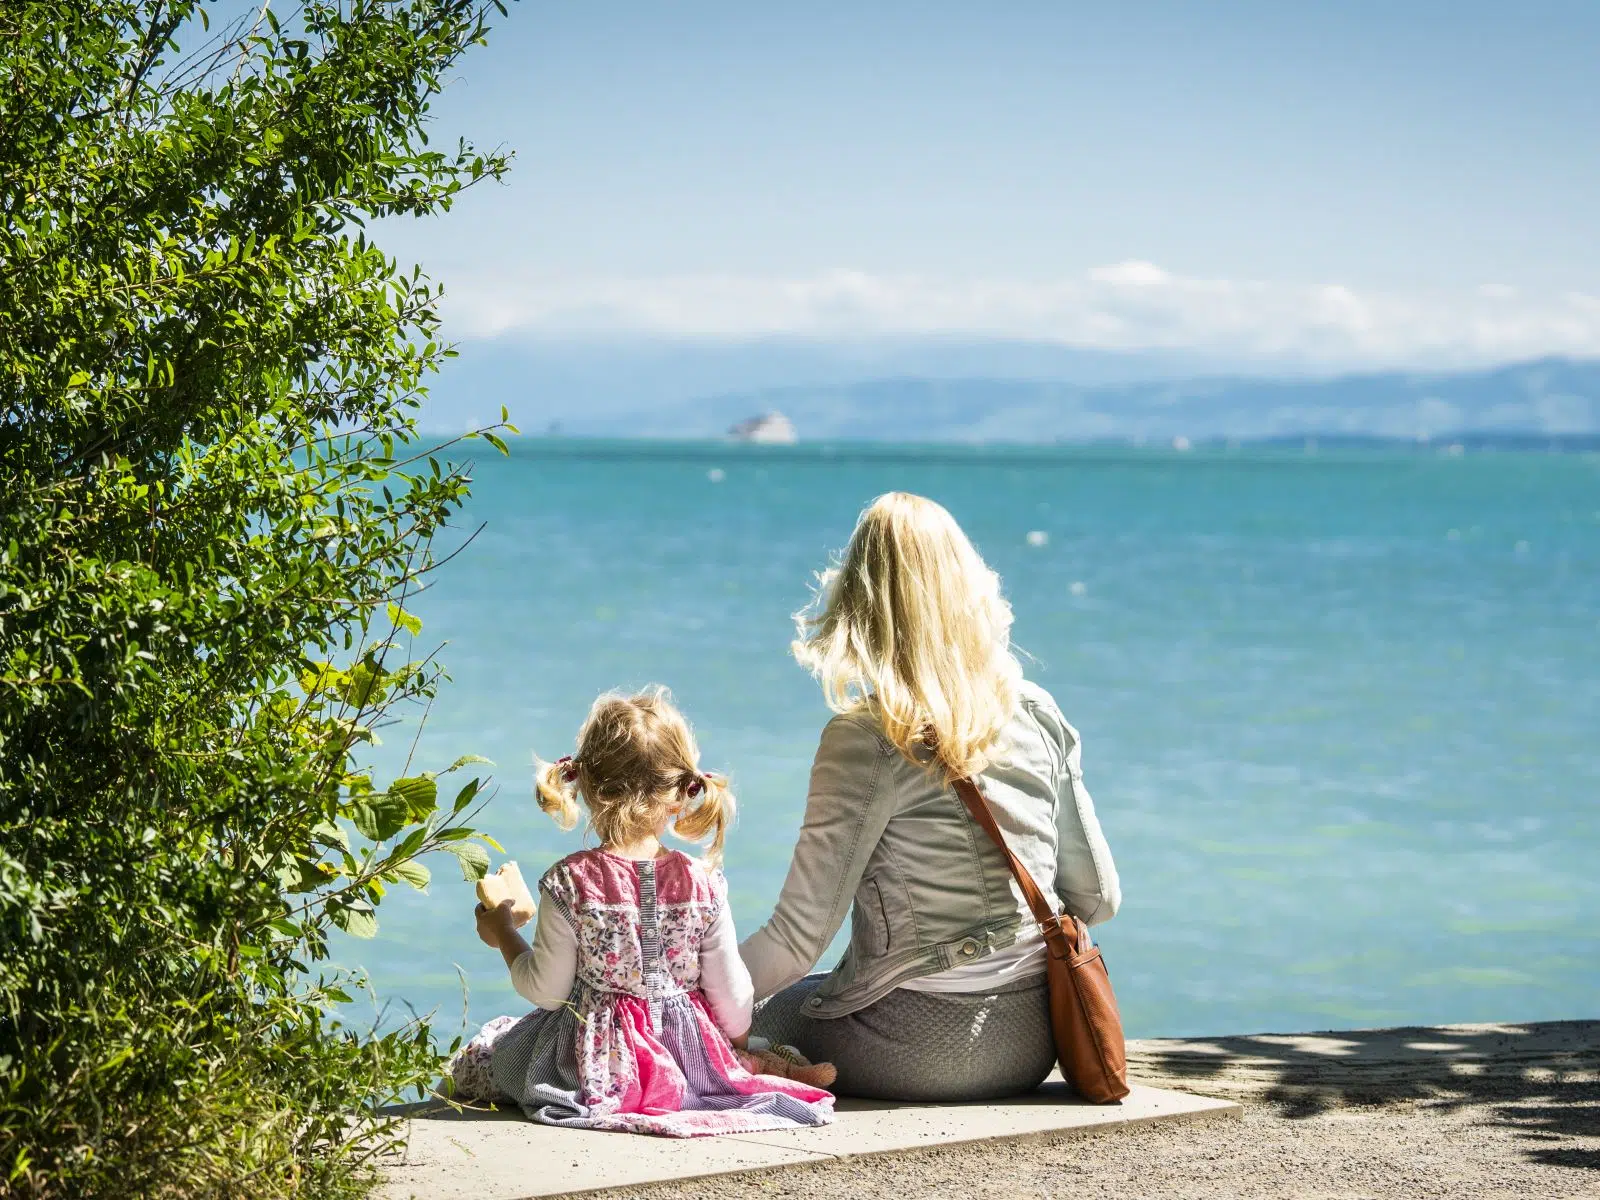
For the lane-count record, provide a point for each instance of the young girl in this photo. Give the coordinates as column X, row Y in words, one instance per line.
column 634, row 968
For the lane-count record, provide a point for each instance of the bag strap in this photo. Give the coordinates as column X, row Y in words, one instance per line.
column 1055, row 935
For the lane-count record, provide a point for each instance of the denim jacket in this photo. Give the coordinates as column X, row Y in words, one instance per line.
column 887, row 841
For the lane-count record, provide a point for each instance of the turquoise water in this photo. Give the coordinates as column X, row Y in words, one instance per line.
column 1341, row 713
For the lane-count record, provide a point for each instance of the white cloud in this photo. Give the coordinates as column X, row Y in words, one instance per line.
column 1133, row 273
column 1125, row 306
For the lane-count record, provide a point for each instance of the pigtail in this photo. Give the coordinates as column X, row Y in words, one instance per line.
column 556, row 785
column 707, row 812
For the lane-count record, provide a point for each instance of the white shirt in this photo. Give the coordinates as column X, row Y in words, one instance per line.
column 1023, row 959
column 544, row 974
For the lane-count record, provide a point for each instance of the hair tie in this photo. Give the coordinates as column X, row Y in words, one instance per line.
column 569, row 768
column 695, row 787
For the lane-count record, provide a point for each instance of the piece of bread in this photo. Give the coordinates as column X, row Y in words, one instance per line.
column 506, row 884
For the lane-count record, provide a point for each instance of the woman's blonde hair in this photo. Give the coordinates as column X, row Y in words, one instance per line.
column 912, row 624
column 636, row 759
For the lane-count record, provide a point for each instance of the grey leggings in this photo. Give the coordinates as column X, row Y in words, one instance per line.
column 923, row 1046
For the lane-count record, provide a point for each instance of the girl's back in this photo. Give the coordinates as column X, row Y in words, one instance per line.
column 639, row 925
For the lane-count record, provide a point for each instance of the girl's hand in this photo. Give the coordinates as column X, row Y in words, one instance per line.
column 494, row 924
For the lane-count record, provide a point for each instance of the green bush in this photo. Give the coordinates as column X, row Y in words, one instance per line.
column 213, row 511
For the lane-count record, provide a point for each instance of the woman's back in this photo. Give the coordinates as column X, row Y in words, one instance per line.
column 927, row 892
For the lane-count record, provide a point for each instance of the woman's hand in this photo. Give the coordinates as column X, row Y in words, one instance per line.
column 495, row 924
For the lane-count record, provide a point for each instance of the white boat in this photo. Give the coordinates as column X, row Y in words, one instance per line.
column 772, row 429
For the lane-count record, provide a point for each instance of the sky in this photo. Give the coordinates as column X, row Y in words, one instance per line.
column 1352, row 183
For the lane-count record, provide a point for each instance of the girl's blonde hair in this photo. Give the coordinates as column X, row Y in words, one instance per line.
column 912, row 624
column 637, row 758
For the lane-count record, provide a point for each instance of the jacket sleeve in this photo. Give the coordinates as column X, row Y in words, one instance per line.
column 1086, row 877
column 848, row 804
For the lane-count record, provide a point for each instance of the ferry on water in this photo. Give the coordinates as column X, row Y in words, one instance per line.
column 772, row 429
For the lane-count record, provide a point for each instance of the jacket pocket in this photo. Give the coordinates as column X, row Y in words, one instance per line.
column 869, row 922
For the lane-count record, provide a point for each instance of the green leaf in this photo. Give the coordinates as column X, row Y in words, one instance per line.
column 465, row 796
column 415, row 874
column 474, row 859
column 420, row 794
column 363, row 684
column 359, row 923
column 319, row 677
column 330, row 834
column 466, row 760
column 412, row 842
column 379, row 816
column 401, row 619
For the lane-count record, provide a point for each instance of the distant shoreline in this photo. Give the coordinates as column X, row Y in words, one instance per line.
column 1279, row 449
column 1527, row 405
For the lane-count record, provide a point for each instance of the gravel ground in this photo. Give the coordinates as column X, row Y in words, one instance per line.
column 1452, row 1112
column 1347, row 1154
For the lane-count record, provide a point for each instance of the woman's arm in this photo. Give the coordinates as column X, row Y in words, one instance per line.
column 724, row 980
column 1086, row 878
column 543, row 973
column 848, row 804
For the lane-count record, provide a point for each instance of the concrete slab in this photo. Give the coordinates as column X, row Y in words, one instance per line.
column 489, row 1159
column 867, row 1127
column 500, row 1156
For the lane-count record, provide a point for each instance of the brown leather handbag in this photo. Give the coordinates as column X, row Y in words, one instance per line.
column 1083, row 1009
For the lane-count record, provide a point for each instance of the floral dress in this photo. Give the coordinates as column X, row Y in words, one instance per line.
column 635, row 1047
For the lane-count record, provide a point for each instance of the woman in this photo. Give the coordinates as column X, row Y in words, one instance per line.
column 941, row 994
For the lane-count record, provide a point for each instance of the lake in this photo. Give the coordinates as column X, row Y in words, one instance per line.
column 1340, row 711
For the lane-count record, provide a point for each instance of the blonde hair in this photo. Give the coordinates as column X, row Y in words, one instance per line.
column 913, row 625
column 636, row 759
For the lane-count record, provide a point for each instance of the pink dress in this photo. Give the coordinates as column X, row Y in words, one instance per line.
column 635, row 1047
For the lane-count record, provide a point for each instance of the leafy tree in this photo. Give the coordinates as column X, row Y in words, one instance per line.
column 214, row 509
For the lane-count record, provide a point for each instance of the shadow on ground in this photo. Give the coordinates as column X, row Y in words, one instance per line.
column 1542, row 1080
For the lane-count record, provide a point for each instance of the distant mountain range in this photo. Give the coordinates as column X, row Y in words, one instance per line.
column 599, row 385
column 1546, row 397
column 917, row 392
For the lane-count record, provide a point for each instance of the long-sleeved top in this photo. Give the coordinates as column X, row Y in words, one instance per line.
column 887, row 841
column 544, row 973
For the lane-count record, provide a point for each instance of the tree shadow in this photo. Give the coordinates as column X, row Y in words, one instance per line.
column 1541, row 1080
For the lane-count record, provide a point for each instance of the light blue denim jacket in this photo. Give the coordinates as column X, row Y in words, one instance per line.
column 886, row 840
